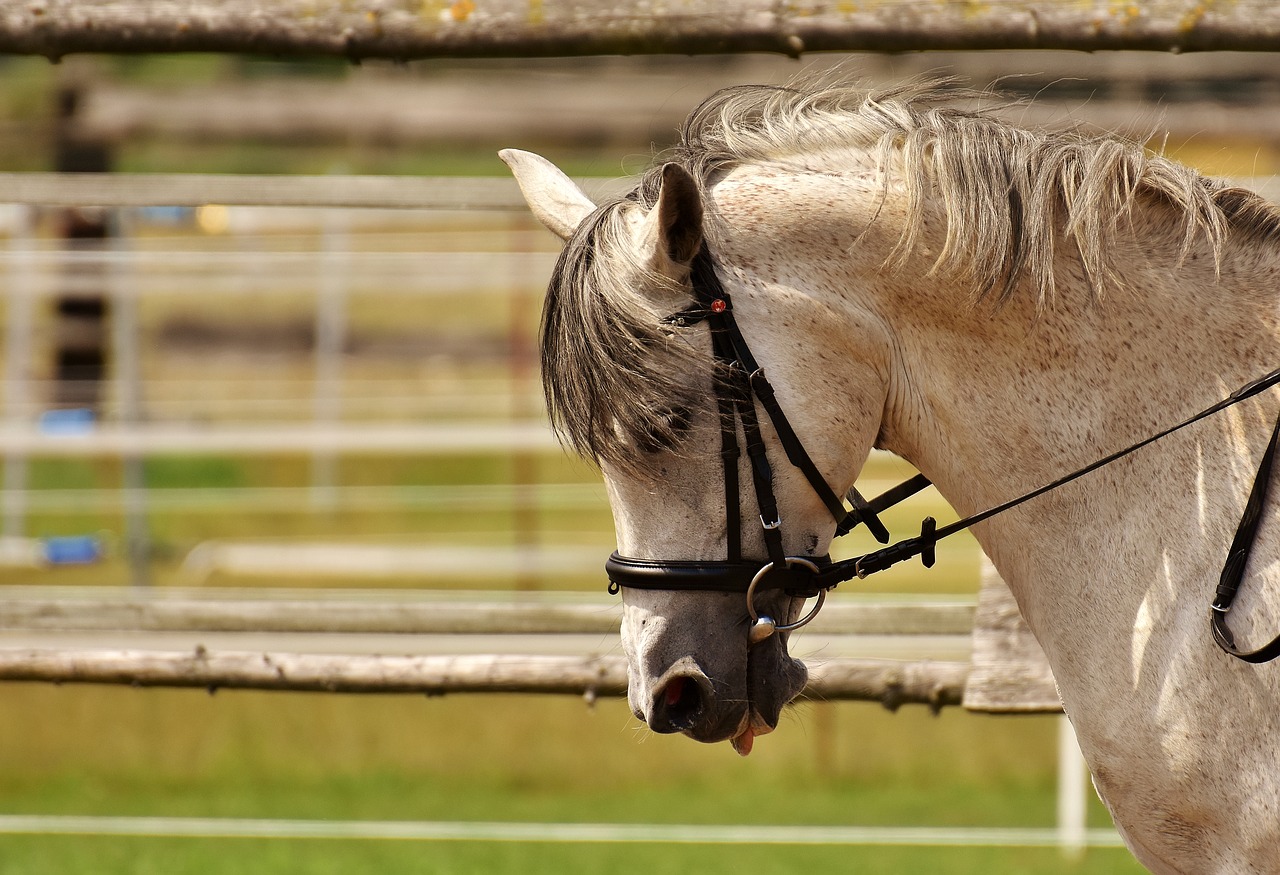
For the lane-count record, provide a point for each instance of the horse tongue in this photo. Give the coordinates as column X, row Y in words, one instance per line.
column 743, row 743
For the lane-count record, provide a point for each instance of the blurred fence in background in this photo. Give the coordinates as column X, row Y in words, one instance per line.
column 305, row 317
column 321, row 319
column 249, row 316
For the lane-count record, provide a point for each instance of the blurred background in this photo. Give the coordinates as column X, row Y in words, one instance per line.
column 344, row 404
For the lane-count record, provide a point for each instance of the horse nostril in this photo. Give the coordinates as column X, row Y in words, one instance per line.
column 677, row 706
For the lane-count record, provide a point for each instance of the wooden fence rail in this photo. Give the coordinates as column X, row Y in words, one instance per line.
column 1002, row 677
column 891, row 683
column 352, row 192
column 126, row 610
column 197, row 189
column 358, row 29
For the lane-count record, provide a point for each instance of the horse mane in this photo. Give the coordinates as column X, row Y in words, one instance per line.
column 1011, row 196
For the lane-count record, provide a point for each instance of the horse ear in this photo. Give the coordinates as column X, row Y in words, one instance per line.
column 553, row 197
column 674, row 226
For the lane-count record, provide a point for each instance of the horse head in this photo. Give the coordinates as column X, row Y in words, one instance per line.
column 631, row 383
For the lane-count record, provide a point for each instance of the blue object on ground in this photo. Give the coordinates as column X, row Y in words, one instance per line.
column 73, row 550
column 76, row 420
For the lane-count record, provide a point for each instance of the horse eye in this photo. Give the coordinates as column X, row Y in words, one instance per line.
column 673, row 424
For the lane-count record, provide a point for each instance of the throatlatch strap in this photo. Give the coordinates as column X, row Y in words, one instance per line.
column 1238, row 559
column 762, row 477
column 729, row 454
column 800, row 458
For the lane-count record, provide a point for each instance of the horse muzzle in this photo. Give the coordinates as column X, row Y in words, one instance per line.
column 712, row 686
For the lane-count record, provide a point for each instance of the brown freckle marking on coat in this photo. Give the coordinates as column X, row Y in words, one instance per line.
column 1183, row 835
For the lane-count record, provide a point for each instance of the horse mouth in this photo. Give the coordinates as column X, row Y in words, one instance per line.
column 708, row 691
column 775, row 678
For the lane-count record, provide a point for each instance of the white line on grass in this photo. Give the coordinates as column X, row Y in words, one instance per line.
column 200, row 827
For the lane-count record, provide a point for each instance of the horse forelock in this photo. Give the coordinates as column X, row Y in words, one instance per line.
column 612, row 371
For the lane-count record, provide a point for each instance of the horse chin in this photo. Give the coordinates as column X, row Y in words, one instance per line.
column 774, row 679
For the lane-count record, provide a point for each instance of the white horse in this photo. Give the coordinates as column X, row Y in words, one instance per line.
column 998, row 306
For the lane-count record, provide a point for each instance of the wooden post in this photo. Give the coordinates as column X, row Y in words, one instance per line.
column 1010, row 672
column 80, row 335
column 127, row 381
column 17, row 370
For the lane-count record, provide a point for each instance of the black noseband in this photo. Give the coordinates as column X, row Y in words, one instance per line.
column 733, row 577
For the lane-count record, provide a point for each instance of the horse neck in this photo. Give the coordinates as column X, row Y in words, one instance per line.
column 993, row 401
column 1115, row 571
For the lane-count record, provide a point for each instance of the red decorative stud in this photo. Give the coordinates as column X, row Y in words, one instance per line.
column 719, row 305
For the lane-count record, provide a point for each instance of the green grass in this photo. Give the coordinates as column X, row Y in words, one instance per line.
column 78, row 749
column 29, row 856
column 117, row 751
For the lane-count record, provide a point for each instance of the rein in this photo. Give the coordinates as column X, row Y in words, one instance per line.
column 740, row 384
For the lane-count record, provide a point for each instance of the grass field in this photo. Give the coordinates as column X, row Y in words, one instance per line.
column 248, row 755
column 232, row 857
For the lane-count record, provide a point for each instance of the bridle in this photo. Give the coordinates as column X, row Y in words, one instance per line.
column 740, row 384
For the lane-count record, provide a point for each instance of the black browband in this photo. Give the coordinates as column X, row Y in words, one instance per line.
column 740, row 384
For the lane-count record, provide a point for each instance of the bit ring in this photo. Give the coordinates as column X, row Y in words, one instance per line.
column 763, row 626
